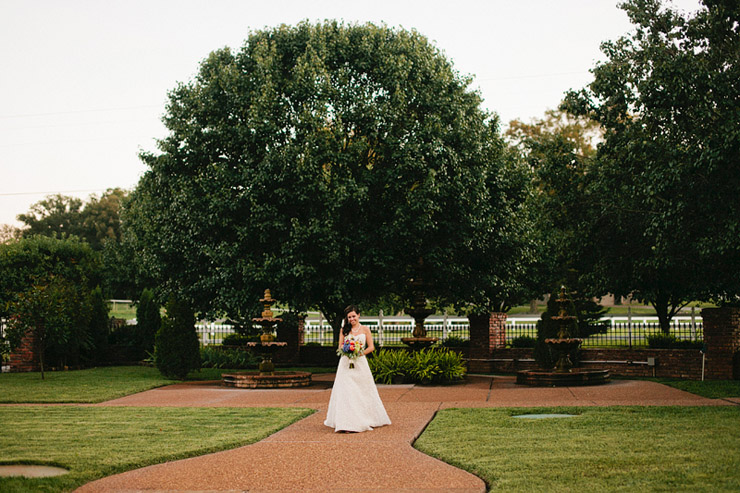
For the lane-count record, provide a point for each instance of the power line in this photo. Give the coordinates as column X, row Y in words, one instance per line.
column 55, row 192
column 99, row 110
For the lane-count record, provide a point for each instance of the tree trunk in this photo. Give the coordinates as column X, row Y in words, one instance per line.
column 334, row 315
column 41, row 363
column 660, row 303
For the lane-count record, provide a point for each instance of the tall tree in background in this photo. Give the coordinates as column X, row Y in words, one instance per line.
column 559, row 149
column 95, row 221
column 55, row 215
column 9, row 233
column 323, row 161
column 668, row 98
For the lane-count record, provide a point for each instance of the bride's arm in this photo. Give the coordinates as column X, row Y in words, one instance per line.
column 370, row 345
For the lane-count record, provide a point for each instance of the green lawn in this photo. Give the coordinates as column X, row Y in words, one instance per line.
column 122, row 310
column 602, row 449
column 83, row 386
column 94, row 442
column 97, row 384
column 713, row 389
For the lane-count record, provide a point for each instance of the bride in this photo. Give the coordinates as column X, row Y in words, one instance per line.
column 354, row 404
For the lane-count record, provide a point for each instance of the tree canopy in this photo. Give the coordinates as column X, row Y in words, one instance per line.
column 324, row 161
column 667, row 175
column 95, row 221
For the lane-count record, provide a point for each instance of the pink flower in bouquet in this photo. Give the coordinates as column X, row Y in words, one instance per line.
column 352, row 349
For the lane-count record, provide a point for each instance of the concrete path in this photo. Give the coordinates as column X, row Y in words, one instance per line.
column 307, row 456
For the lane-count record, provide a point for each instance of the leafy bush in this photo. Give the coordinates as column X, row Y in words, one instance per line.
column 46, row 285
column 388, row 365
column 669, row 341
column 435, row 365
column 177, row 348
column 454, row 341
column 148, row 320
column 524, row 342
column 224, row 357
column 235, row 340
column 681, row 344
column 661, row 341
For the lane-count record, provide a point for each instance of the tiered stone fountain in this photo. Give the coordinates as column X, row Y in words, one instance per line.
column 563, row 374
column 267, row 377
column 419, row 312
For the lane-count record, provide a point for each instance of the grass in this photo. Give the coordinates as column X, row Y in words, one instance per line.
column 80, row 386
column 94, row 442
column 97, row 384
column 602, row 449
column 713, row 389
column 122, row 310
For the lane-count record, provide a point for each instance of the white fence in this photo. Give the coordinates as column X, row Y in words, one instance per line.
column 390, row 330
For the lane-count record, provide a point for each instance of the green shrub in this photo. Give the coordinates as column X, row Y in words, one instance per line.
column 177, row 348
column 524, row 342
column 98, row 327
column 388, row 365
column 454, row 341
column 236, row 340
column 661, row 341
column 434, row 365
column 681, row 344
column 669, row 341
column 148, row 320
column 225, row 357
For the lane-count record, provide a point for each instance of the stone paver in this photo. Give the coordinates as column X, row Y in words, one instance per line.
column 308, row 456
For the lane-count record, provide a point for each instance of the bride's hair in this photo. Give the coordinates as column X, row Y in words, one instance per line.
column 346, row 327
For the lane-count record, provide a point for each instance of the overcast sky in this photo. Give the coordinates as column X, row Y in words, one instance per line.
column 83, row 84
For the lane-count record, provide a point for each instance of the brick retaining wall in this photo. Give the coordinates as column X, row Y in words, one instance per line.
column 722, row 339
column 25, row 358
column 678, row 363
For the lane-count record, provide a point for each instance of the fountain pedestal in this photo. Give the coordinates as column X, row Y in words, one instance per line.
column 419, row 312
column 563, row 374
column 267, row 377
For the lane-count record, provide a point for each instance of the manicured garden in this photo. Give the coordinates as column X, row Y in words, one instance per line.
column 600, row 449
column 94, row 442
column 94, row 384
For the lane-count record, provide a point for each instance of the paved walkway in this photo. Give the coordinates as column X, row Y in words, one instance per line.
column 307, row 456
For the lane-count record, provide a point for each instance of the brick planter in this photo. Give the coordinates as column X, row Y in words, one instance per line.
column 722, row 340
column 676, row 363
column 25, row 358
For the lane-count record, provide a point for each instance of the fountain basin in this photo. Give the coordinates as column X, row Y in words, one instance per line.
column 576, row 377
column 257, row 380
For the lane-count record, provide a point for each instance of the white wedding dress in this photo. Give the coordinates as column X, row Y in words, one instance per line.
column 354, row 404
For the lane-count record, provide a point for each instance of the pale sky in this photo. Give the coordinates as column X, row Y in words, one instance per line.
column 83, row 83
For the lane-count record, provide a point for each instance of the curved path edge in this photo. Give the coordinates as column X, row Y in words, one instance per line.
column 308, row 456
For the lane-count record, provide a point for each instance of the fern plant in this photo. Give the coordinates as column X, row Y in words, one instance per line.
column 428, row 366
column 387, row 365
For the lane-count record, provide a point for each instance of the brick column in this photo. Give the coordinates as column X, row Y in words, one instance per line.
column 487, row 333
column 290, row 354
column 722, row 340
column 25, row 357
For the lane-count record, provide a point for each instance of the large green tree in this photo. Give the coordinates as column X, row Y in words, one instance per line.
column 95, row 221
column 668, row 97
column 559, row 149
column 46, row 285
column 53, row 216
column 323, row 161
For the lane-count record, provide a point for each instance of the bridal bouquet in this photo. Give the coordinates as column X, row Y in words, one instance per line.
column 352, row 349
